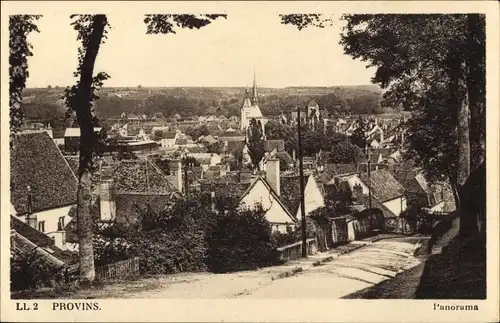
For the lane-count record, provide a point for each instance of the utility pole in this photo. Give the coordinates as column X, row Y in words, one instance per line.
column 369, row 179
column 186, row 185
column 301, row 172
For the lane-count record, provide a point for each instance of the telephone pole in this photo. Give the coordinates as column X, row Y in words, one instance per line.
column 369, row 178
column 301, row 172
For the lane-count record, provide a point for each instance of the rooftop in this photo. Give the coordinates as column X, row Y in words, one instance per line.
column 36, row 161
column 384, row 186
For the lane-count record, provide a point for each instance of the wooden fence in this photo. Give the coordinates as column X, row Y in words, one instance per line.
column 294, row 251
column 117, row 270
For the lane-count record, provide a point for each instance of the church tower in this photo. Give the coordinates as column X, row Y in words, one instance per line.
column 255, row 97
column 250, row 109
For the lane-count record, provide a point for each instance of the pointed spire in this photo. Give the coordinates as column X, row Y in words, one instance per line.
column 255, row 99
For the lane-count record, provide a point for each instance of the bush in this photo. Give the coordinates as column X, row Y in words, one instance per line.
column 283, row 239
column 29, row 271
column 169, row 241
column 241, row 240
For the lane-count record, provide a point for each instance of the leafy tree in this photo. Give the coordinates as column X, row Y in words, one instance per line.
column 255, row 142
column 430, row 62
column 241, row 240
column 344, row 153
column 216, row 147
column 236, row 161
column 358, row 137
column 157, row 134
column 91, row 31
column 20, row 26
column 197, row 132
column 277, row 130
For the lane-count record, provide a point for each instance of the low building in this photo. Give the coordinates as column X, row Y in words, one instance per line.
column 168, row 139
column 43, row 185
column 72, row 138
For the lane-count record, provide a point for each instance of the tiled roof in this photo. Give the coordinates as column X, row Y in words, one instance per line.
column 376, row 204
column 340, row 169
column 196, row 149
column 384, row 186
column 37, row 237
column 168, row 135
column 128, row 205
column 42, row 240
column 209, row 139
column 35, row 160
column 290, row 192
column 141, row 176
column 278, row 144
column 181, row 141
column 406, row 174
column 234, row 133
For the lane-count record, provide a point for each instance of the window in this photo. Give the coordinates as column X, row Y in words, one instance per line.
column 41, row 226
column 60, row 224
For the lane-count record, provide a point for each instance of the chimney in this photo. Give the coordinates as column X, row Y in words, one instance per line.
column 31, row 218
column 273, row 174
column 179, row 176
column 294, row 157
column 106, row 200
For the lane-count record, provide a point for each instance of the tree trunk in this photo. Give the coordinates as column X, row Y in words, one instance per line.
column 454, row 190
column 460, row 103
column 87, row 140
column 476, row 82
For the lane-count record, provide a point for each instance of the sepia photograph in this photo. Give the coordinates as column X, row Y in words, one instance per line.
column 246, row 154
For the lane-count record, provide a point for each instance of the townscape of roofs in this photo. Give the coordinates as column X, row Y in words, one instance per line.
column 44, row 172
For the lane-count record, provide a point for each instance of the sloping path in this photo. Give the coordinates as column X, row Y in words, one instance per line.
column 349, row 273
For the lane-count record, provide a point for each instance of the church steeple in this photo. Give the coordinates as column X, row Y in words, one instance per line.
column 255, row 98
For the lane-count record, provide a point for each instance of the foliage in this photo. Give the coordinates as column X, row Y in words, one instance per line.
column 302, row 21
column 255, row 142
column 28, row 270
column 338, row 202
column 283, row 239
column 191, row 234
column 216, row 147
column 166, row 241
column 359, row 135
column 343, row 153
column 91, row 31
column 20, row 49
column 277, row 130
column 197, row 132
column 167, row 23
column 241, row 240
column 192, row 102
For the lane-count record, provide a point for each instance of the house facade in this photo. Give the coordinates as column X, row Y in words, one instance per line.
column 168, row 139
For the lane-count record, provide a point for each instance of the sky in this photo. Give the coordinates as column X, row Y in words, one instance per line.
column 223, row 53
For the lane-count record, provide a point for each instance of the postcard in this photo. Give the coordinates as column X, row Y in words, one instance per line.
column 244, row 161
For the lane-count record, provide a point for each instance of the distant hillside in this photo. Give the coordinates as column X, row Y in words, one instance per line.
column 46, row 103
